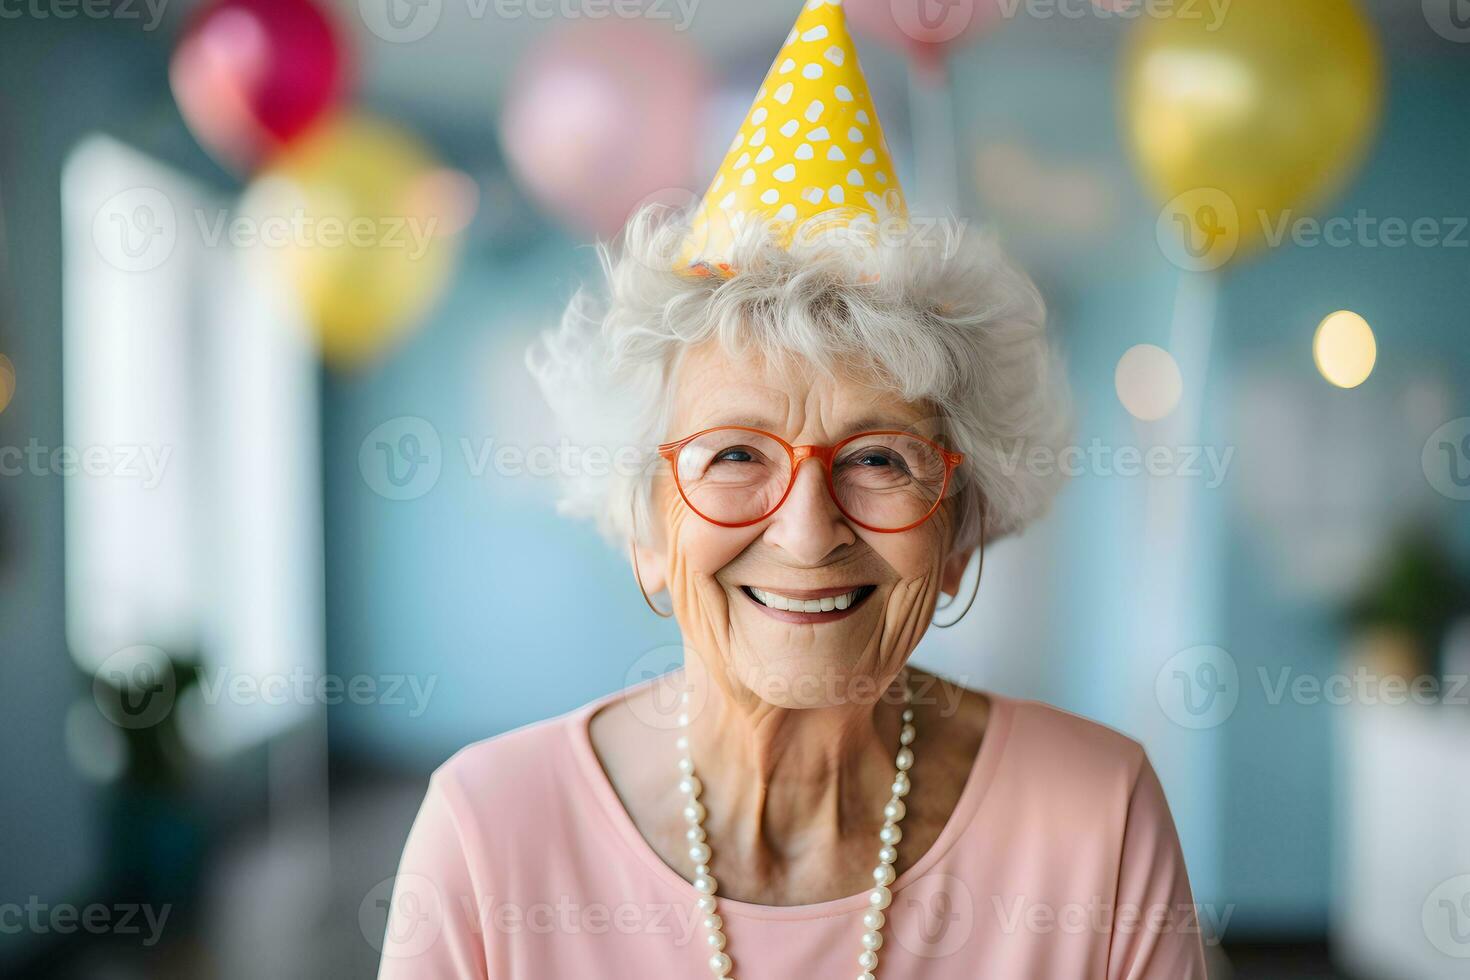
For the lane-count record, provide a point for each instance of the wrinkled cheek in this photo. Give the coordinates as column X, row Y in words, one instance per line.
column 697, row 552
column 919, row 562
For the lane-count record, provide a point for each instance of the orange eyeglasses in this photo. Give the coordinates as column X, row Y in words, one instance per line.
column 735, row 476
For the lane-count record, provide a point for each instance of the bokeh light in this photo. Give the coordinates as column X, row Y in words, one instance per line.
column 1148, row 382
column 1344, row 349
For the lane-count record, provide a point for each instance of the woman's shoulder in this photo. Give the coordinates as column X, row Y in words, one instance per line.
column 519, row 765
column 1058, row 753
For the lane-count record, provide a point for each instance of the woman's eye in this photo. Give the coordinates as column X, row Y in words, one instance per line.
column 735, row 456
column 877, row 458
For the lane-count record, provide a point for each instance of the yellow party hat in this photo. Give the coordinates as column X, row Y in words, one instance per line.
column 811, row 145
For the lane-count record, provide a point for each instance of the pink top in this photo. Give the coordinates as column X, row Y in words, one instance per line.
column 1059, row 861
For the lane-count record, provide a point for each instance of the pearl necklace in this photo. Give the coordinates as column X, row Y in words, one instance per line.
column 879, row 898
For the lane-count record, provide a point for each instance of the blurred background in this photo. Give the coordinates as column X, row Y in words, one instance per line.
column 277, row 532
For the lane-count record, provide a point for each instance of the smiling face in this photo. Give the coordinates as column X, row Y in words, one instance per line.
column 804, row 608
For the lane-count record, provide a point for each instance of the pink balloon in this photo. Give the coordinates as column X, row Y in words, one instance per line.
column 927, row 30
column 250, row 75
column 602, row 115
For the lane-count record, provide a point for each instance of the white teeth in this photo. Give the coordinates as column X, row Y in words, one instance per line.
column 826, row 604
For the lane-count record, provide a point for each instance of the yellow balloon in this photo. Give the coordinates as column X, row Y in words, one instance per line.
column 367, row 231
column 1266, row 110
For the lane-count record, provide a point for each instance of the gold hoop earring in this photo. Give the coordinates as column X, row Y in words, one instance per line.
column 637, row 572
column 979, row 572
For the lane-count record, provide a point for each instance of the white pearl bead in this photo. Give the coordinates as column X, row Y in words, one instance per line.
column 683, row 720
column 884, row 874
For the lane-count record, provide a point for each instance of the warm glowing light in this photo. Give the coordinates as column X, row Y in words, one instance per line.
column 1344, row 349
column 7, row 381
column 1148, row 381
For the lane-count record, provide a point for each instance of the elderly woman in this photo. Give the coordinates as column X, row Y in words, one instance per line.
column 832, row 415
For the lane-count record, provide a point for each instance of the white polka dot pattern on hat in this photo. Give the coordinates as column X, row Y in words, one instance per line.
column 820, row 148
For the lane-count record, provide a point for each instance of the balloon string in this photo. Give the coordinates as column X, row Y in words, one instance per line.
column 932, row 114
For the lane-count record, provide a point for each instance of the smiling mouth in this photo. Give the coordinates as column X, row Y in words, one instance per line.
column 810, row 605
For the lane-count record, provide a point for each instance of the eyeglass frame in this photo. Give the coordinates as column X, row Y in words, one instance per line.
column 800, row 454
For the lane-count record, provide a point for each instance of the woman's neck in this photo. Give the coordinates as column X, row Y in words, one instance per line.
column 784, row 783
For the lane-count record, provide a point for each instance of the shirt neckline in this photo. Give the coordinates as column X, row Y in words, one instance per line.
column 975, row 791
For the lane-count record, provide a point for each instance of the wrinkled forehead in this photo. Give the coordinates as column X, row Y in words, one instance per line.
column 787, row 395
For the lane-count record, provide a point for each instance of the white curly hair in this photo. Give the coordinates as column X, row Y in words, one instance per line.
column 936, row 313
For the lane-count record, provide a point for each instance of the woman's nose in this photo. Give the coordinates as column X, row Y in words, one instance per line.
column 808, row 526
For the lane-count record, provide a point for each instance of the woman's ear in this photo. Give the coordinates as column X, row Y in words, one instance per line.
column 953, row 571
column 652, row 568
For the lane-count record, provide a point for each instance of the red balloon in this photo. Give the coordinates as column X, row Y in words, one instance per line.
column 250, row 75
